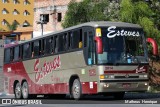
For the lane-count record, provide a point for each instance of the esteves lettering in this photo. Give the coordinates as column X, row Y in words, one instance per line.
column 112, row 32
column 46, row 68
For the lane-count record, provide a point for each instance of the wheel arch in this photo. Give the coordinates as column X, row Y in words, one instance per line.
column 14, row 85
column 24, row 80
column 71, row 80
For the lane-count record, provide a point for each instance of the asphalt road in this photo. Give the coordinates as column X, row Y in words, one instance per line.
column 130, row 99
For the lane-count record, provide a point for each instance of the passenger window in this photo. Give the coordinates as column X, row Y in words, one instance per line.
column 70, row 40
column 43, row 46
column 61, row 43
column 65, row 42
column 26, row 50
column 11, row 54
column 85, row 39
column 56, row 44
column 36, row 49
column 75, row 39
column 48, row 46
column 7, row 54
column 16, row 53
column 80, row 39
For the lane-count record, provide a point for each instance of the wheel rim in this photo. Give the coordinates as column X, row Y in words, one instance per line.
column 18, row 91
column 76, row 90
column 25, row 90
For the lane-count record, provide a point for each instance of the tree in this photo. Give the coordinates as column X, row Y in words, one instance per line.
column 85, row 11
column 139, row 12
column 1, row 29
column 146, row 14
column 12, row 26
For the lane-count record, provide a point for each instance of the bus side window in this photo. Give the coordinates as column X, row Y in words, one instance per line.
column 85, row 39
column 80, row 39
column 61, row 43
column 11, row 54
column 26, row 50
column 75, row 39
column 43, row 47
column 36, row 49
column 65, row 42
column 48, row 46
column 70, row 40
column 16, row 53
column 56, row 44
column 7, row 55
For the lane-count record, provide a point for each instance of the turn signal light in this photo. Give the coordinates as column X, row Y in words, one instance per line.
column 101, row 76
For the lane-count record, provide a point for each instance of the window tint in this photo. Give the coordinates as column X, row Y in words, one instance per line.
column 36, row 48
column 11, row 54
column 85, row 39
column 7, row 55
column 61, row 43
column 48, row 46
column 16, row 53
column 65, row 42
column 70, row 40
column 43, row 46
column 75, row 39
column 26, row 51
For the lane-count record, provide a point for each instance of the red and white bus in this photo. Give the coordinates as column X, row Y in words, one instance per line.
column 90, row 58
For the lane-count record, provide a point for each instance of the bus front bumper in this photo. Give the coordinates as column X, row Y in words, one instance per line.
column 137, row 85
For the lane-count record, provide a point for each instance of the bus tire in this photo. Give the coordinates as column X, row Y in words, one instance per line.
column 25, row 90
column 18, row 91
column 119, row 95
column 76, row 89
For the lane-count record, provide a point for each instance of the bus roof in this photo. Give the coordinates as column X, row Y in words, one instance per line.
column 91, row 24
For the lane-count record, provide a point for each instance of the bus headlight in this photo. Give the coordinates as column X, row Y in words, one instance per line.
column 111, row 76
column 106, row 85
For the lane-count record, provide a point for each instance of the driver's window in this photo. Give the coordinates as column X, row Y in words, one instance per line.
column 91, row 49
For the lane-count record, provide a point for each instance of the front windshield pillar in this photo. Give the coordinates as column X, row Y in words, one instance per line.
column 91, row 51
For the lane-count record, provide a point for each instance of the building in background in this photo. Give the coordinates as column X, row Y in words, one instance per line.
column 19, row 12
column 52, row 12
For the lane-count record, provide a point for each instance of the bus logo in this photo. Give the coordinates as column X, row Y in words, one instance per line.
column 47, row 67
column 112, row 32
column 140, row 70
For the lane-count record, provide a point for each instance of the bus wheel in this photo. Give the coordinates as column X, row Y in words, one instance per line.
column 17, row 91
column 119, row 95
column 25, row 90
column 76, row 89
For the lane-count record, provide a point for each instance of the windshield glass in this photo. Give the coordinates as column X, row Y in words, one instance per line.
column 122, row 46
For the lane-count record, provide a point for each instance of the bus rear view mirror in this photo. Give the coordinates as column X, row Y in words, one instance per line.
column 99, row 45
column 154, row 46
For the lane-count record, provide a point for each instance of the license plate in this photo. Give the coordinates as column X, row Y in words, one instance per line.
column 126, row 85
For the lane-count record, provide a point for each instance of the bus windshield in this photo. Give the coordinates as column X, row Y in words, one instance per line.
column 122, row 46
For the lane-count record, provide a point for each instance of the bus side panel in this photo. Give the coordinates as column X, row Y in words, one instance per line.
column 9, row 73
column 89, row 87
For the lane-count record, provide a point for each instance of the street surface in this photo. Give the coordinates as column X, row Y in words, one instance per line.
column 131, row 99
